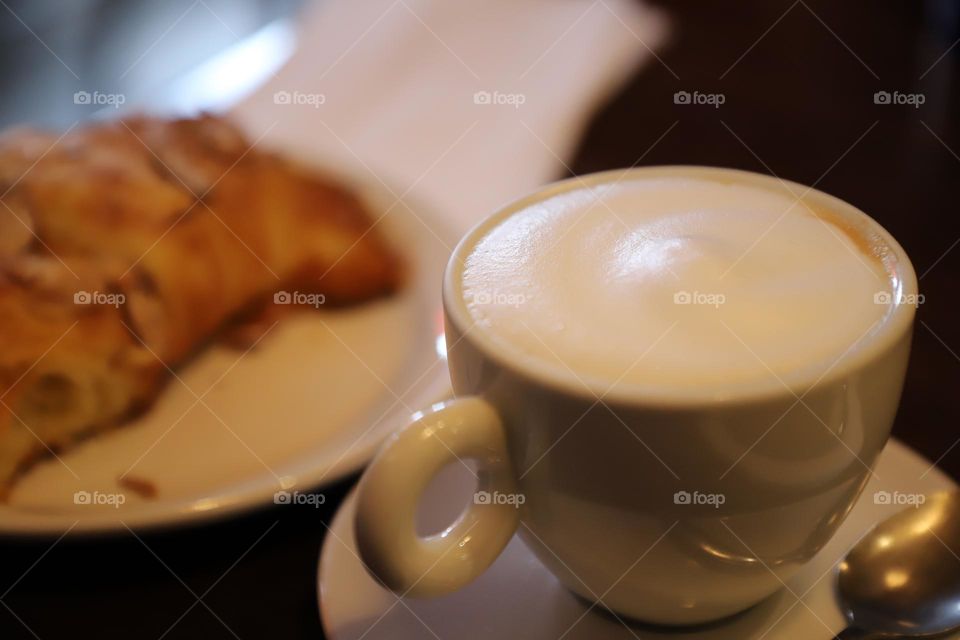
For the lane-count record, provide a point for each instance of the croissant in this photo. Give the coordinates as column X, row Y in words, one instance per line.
column 126, row 246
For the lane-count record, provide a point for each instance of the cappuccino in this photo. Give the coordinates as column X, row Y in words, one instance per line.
column 687, row 278
column 701, row 306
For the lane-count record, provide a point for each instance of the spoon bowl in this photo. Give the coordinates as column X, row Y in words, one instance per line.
column 903, row 577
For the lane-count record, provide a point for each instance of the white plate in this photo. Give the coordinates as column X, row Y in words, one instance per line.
column 307, row 406
column 518, row 598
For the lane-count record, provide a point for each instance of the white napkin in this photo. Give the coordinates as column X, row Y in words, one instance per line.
column 466, row 103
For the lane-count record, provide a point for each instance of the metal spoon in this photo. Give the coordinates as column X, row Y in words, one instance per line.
column 903, row 578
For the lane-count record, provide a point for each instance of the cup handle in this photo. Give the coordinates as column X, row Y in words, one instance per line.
column 385, row 524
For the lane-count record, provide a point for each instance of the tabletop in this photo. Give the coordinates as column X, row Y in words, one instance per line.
column 858, row 98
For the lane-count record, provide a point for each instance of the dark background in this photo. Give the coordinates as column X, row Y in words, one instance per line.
column 799, row 103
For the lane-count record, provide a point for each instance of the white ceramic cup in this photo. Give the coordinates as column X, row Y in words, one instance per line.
column 669, row 506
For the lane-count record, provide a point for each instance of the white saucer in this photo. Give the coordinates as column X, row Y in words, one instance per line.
column 307, row 406
column 518, row 598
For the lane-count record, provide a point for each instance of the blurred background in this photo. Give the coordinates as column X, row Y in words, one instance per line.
column 860, row 97
column 135, row 48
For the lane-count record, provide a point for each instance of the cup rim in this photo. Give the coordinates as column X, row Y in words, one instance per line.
column 880, row 339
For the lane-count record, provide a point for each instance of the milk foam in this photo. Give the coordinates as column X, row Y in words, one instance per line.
column 677, row 281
